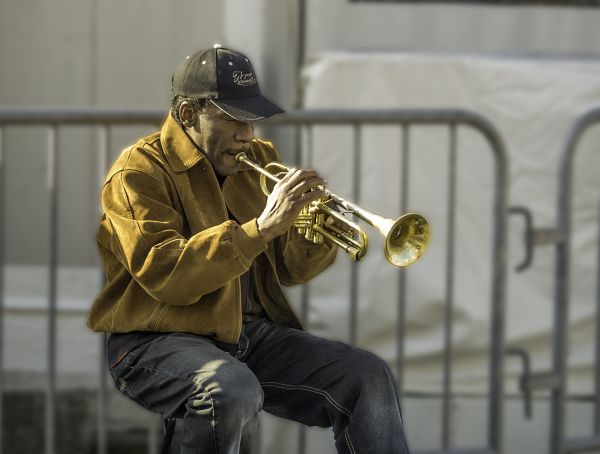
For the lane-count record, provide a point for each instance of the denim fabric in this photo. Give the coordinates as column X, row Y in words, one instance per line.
column 284, row 371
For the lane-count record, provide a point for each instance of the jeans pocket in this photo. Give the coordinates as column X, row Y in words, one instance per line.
column 123, row 367
column 117, row 370
column 125, row 389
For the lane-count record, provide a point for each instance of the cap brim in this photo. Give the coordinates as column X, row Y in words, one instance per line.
column 250, row 108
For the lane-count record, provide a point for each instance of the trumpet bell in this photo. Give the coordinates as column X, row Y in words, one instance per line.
column 407, row 239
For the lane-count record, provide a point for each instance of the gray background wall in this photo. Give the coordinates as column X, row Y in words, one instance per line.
column 517, row 30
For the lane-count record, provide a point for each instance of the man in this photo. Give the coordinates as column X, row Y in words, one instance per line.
column 194, row 257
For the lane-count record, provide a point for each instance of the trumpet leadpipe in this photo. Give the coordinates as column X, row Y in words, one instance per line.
column 243, row 158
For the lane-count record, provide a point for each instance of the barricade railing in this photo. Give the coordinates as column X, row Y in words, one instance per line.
column 304, row 121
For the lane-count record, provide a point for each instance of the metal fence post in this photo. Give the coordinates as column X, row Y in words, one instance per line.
column 2, row 270
column 53, row 178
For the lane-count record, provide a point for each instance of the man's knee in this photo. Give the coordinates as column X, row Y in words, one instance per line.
column 369, row 370
column 232, row 389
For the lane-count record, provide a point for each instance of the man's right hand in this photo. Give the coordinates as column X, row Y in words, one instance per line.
column 295, row 190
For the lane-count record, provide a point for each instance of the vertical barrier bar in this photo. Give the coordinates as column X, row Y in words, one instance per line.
column 448, row 322
column 596, row 427
column 101, row 436
column 308, row 161
column 152, row 435
column 53, row 174
column 561, row 296
column 354, row 265
column 2, row 268
column 305, row 295
column 401, row 320
column 498, row 300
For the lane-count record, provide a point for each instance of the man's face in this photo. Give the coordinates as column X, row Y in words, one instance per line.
column 221, row 137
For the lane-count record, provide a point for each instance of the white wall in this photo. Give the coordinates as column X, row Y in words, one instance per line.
column 516, row 30
column 104, row 53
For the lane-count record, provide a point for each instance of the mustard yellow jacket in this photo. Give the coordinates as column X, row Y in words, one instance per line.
column 171, row 254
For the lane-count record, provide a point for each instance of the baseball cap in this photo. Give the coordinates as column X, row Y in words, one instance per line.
column 226, row 78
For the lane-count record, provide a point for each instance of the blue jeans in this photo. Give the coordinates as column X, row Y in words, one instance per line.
column 286, row 372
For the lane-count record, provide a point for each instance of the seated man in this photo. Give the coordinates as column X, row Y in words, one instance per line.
column 194, row 256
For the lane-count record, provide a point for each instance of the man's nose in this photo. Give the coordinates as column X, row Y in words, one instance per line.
column 245, row 132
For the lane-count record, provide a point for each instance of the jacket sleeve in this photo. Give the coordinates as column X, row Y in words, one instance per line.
column 148, row 240
column 299, row 260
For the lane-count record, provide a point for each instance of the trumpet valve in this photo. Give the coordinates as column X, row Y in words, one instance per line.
column 305, row 223
column 318, row 221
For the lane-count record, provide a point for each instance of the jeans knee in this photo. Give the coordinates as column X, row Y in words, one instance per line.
column 232, row 392
column 242, row 394
column 371, row 371
column 374, row 387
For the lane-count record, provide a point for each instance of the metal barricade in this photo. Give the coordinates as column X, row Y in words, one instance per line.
column 559, row 443
column 407, row 119
column 561, row 236
column 304, row 121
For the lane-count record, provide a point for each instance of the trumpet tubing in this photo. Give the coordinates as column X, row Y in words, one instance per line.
column 406, row 238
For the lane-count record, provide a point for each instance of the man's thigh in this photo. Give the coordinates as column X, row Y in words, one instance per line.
column 163, row 374
column 307, row 378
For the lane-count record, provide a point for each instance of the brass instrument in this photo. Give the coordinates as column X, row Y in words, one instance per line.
column 406, row 238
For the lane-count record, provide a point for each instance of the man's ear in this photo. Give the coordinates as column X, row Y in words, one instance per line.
column 187, row 114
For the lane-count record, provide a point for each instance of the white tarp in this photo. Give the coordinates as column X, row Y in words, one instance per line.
column 532, row 103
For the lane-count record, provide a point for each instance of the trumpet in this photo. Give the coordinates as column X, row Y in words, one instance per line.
column 406, row 238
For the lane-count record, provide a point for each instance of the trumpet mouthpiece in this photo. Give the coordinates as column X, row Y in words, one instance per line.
column 240, row 157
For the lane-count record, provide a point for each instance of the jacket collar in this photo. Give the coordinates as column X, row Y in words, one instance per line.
column 179, row 149
column 181, row 153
